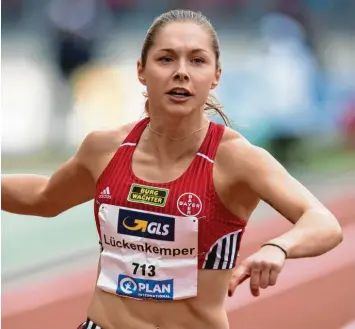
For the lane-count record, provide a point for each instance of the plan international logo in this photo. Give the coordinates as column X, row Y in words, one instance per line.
column 143, row 288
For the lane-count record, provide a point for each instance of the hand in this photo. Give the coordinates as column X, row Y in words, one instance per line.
column 262, row 268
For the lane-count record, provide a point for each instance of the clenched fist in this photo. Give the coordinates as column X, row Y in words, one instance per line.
column 262, row 268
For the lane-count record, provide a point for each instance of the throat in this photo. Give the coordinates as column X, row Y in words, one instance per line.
column 174, row 154
column 169, row 136
column 170, row 152
column 160, row 167
column 158, row 159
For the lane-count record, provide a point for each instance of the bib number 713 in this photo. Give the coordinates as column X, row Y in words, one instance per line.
column 143, row 269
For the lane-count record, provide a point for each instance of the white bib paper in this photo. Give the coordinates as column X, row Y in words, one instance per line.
column 147, row 254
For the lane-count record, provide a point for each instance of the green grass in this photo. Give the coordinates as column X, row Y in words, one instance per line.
column 332, row 160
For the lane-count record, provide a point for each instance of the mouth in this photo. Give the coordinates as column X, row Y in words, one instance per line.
column 180, row 93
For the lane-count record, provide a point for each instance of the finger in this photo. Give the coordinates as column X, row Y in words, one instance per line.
column 255, row 281
column 231, row 287
column 238, row 276
column 245, row 277
column 233, row 284
column 265, row 278
column 240, row 273
column 273, row 277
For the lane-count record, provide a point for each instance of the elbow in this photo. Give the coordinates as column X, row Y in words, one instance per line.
column 49, row 215
column 336, row 230
column 334, row 235
column 50, row 212
column 337, row 235
column 44, row 213
column 328, row 240
column 330, row 232
column 47, row 210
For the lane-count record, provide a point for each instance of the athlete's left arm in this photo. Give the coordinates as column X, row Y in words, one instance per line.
column 316, row 229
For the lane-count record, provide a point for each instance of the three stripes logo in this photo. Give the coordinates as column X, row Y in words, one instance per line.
column 223, row 253
column 105, row 194
column 88, row 324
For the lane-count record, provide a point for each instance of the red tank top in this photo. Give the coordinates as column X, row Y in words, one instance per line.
column 192, row 194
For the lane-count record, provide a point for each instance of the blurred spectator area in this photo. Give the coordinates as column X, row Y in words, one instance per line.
column 69, row 67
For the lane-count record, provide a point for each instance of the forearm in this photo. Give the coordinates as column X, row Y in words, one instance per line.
column 315, row 233
column 21, row 194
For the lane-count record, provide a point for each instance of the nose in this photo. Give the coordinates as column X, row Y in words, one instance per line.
column 182, row 74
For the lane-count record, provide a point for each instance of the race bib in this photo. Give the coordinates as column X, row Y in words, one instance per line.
column 148, row 255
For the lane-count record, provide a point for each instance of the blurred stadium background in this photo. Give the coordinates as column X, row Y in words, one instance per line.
column 69, row 67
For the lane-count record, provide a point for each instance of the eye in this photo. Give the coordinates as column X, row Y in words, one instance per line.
column 165, row 59
column 198, row 61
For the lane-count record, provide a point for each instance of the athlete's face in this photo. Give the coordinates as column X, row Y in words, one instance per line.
column 182, row 56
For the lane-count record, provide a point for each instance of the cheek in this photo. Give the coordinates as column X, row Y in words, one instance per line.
column 154, row 81
column 157, row 75
column 203, row 82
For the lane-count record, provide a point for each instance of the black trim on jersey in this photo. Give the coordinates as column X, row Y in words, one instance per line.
column 88, row 324
column 223, row 253
column 210, row 260
column 230, row 260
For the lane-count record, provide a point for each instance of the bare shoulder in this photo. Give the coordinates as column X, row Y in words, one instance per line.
column 233, row 144
column 101, row 142
column 240, row 158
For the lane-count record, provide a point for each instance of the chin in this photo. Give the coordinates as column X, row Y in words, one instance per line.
column 179, row 110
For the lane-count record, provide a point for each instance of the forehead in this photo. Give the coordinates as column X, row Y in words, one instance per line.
column 183, row 36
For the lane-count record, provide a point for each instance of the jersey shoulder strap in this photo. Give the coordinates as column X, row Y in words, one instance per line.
column 135, row 134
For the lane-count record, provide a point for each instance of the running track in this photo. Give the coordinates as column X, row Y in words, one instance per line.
column 316, row 293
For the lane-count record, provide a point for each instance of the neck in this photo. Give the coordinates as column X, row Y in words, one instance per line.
column 174, row 138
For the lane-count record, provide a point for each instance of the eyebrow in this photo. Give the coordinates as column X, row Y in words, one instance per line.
column 194, row 51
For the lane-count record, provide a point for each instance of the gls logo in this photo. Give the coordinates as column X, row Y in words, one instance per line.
column 146, row 225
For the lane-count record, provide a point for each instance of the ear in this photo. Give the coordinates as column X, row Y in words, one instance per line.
column 140, row 72
column 217, row 78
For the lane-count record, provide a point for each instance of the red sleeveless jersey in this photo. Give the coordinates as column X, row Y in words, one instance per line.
column 192, row 194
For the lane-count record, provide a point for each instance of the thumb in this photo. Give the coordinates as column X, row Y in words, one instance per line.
column 239, row 276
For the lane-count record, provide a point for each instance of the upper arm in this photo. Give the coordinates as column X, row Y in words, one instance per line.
column 72, row 183
column 271, row 182
column 75, row 181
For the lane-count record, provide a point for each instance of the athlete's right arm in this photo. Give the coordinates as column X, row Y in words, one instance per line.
column 71, row 185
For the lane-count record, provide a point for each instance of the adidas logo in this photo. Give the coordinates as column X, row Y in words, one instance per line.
column 105, row 194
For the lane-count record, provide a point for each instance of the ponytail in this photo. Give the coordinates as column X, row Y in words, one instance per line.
column 216, row 107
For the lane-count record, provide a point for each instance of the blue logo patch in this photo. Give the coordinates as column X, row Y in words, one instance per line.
column 141, row 288
column 145, row 225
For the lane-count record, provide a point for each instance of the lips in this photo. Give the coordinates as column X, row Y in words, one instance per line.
column 182, row 92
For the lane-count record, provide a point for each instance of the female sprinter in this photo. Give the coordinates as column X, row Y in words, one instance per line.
column 173, row 193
